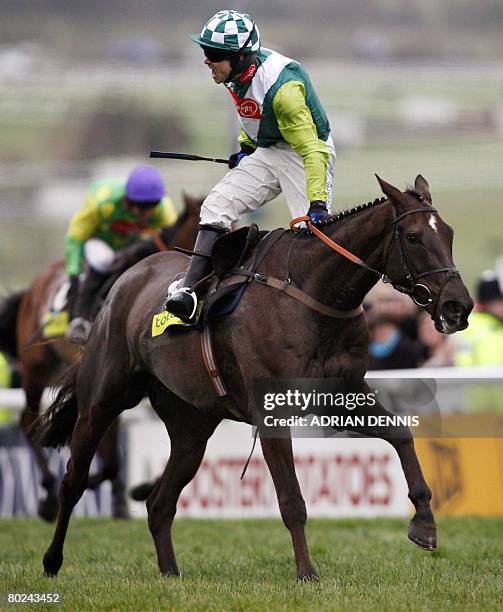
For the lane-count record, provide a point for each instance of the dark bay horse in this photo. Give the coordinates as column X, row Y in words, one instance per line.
column 269, row 336
column 21, row 317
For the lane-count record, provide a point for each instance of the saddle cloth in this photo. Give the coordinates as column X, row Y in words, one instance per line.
column 230, row 252
column 55, row 320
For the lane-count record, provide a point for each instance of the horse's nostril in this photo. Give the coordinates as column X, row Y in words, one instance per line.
column 454, row 311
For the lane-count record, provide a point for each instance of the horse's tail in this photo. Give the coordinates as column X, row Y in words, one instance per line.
column 55, row 426
column 9, row 308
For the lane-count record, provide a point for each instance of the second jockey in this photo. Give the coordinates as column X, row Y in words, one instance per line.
column 115, row 215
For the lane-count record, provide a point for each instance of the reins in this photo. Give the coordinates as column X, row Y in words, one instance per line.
column 420, row 294
column 285, row 285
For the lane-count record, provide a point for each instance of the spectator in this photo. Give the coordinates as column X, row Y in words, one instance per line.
column 437, row 348
column 5, row 372
column 481, row 344
column 389, row 348
column 5, row 382
column 383, row 299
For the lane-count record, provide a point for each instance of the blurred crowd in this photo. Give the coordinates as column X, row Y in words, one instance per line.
column 403, row 336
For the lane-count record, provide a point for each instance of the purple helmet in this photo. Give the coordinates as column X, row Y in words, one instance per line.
column 145, row 186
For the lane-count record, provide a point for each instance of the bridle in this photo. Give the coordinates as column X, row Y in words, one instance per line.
column 420, row 293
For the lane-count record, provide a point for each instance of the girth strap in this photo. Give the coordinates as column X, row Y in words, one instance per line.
column 300, row 296
column 307, row 300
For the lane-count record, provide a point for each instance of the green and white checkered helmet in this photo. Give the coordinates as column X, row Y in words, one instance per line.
column 230, row 31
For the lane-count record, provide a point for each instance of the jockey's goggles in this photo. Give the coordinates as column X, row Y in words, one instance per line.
column 143, row 205
column 216, row 55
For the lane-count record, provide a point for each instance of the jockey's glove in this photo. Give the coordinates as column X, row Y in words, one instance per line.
column 235, row 158
column 318, row 210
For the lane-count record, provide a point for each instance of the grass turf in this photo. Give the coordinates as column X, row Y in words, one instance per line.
column 248, row 565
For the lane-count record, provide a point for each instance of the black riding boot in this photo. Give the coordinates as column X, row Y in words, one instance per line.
column 71, row 296
column 183, row 303
column 86, row 307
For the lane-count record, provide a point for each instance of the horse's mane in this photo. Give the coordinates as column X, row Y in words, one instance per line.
column 350, row 212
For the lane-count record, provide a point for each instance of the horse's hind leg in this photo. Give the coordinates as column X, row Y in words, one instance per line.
column 189, row 431
column 279, row 457
column 47, row 508
column 109, row 453
column 85, row 439
column 99, row 406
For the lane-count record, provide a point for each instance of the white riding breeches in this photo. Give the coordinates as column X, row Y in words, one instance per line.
column 99, row 255
column 259, row 178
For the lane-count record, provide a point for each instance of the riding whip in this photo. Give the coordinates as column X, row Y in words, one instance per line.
column 164, row 155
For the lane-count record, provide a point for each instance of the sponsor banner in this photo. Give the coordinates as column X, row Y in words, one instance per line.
column 464, row 474
column 339, row 477
column 20, row 491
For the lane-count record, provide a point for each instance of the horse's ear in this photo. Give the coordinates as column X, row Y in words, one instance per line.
column 192, row 204
column 391, row 192
column 422, row 187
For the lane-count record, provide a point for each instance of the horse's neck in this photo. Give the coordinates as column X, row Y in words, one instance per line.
column 335, row 280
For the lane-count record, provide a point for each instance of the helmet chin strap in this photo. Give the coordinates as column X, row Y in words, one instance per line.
column 240, row 66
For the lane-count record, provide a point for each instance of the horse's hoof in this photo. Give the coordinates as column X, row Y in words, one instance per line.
column 171, row 572
column 48, row 509
column 423, row 536
column 94, row 481
column 120, row 512
column 52, row 564
column 310, row 576
column 141, row 491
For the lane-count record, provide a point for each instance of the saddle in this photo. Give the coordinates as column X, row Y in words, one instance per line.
column 235, row 258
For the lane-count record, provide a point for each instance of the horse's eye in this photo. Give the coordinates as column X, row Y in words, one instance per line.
column 413, row 238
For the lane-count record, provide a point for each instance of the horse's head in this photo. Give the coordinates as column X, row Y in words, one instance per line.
column 183, row 234
column 418, row 259
column 192, row 205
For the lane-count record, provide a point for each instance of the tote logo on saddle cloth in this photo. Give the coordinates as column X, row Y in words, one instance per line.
column 246, row 107
column 163, row 320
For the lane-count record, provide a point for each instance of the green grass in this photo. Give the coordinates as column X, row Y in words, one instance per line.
column 248, row 565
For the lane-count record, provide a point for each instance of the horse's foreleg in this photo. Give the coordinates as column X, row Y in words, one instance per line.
column 279, row 457
column 85, row 439
column 47, row 508
column 422, row 529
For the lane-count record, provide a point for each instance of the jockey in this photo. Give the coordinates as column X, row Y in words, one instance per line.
column 115, row 215
column 285, row 142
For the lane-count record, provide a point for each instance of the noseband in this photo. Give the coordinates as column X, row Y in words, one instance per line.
column 420, row 293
